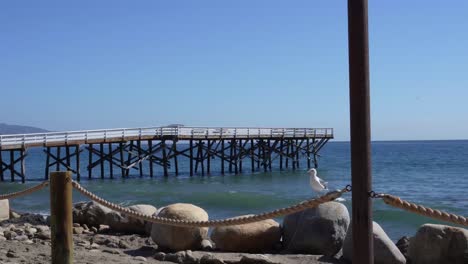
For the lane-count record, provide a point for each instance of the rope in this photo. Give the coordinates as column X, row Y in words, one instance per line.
column 222, row 222
column 419, row 209
column 24, row 192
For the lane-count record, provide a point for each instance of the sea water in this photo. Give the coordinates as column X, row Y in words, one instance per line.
column 431, row 173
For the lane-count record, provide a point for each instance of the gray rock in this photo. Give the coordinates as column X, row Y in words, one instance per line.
column 319, row 231
column 21, row 238
column 385, row 251
column 403, row 245
column 44, row 235
column 90, row 213
column 210, row 259
column 177, row 257
column 111, row 251
column 78, row 230
column 434, row 244
column 9, row 235
column 12, row 254
column 123, row 223
column 206, row 245
column 253, row 237
column 161, row 256
column 180, row 238
column 140, row 258
column 256, row 259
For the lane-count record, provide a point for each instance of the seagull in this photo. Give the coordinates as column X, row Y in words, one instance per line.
column 317, row 184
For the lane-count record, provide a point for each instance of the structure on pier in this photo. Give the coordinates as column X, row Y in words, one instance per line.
column 129, row 149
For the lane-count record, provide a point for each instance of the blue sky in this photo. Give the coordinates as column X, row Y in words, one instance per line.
column 108, row 64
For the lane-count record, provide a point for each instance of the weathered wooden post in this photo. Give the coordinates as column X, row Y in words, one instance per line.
column 61, row 219
column 360, row 131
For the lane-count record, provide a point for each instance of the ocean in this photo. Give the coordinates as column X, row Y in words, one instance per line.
column 431, row 173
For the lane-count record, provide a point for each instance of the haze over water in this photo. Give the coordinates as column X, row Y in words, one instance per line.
column 432, row 173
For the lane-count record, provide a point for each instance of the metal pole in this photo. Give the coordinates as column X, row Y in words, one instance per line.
column 360, row 131
column 61, row 219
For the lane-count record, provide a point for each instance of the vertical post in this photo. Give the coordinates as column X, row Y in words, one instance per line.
column 252, row 155
column 101, row 159
column 67, row 153
column 90, row 160
column 23, row 165
column 239, row 155
column 61, row 219
column 208, row 157
column 150, row 159
column 222, row 156
column 269, row 155
column 47, row 166
column 140, row 164
column 361, row 177
column 57, row 164
column 12, row 165
column 165, row 161
column 308, row 153
column 77, row 154
column 122, row 161
column 281, row 154
column 174, row 150
column 110, row 159
column 191, row 157
column 1, row 166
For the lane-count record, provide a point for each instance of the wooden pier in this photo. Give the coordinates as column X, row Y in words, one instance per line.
column 123, row 150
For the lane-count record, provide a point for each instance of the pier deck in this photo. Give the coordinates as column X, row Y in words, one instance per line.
column 230, row 145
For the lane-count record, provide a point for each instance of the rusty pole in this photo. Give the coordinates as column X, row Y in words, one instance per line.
column 358, row 42
column 61, row 219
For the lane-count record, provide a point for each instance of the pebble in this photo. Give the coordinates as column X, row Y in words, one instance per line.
column 123, row 244
column 140, row 258
column 44, row 235
column 94, row 246
column 76, row 225
column 160, row 256
column 9, row 235
column 31, row 231
column 2, row 238
column 85, row 227
column 29, row 242
column 206, row 245
column 111, row 251
column 94, row 229
column 78, row 230
column 42, row 228
column 11, row 254
column 21, row 238
column 112, row 245
column 211, row 259
column 94, row 251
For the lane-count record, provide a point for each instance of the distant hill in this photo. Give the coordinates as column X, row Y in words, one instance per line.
column 6, row 129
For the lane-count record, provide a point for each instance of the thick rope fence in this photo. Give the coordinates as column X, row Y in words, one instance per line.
column 216, row 223
column 311, row 203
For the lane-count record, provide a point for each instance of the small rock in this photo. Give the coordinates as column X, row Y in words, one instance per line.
column 161, row 256
column 83, row 243
column 21, row 238
column 123, row 245
column 2, row 238
column 29, row 242
column 14, row 215
column 140, row 258
column 206, row 245
column 42, row 228
column 256, row 259
column 94, row 251
column 403, row 244
column 12, row 254
column 94, row 229
column 85, row 227
column 44, row 235
column 19, row 231
column 210, row 259
column 9, row 235
column 190, row 258
column 111, row 251
column 113, row 245
column 31, row 231
column 78, row 230
column 103, row 228
column 76, row 225
column 177, row 257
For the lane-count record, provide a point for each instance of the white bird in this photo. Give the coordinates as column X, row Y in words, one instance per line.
column 317, row 184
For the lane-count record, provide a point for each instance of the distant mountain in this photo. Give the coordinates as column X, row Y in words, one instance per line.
column 6, row 129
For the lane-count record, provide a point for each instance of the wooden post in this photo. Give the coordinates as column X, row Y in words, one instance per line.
column 140, row 164
column 359, row 91
column 101, row 159
column 174, row 150
column 164, row 154
column 110, row 157
column 308, row 153
column 236, row 157
column 200, row 151
column 222, row 156
column 269, row 155
column 77, row 152
column 12, row 165
column 241, row 151
column 208, row 157
column 61, row 219
column 90, row 160
column 191, row 157
column 1, row 166
column 122, row 162
column 281, row 154
column 23, row 165
column 150, row 159
column 231, row 151
column 252, row 155
column 67, row 153
column 57, row 164
column 258, row 152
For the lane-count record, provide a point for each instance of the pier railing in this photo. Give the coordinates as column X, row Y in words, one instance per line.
column 122, row 134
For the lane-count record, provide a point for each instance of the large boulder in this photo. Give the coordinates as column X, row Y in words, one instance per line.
column 437, row 244
column 90, row 213
column 253, row 237
column 319, row 231
column 4, row 210
column 180, row 238
column 385, row 251
column 126, row 224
